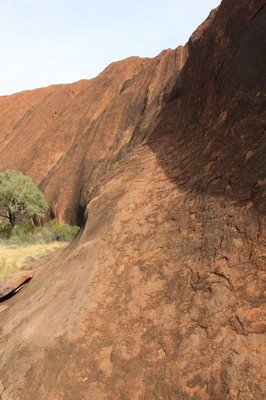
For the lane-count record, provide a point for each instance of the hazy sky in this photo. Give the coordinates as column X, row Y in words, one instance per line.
column 56, row 41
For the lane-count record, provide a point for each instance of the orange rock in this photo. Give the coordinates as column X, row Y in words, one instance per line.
column 161, row 295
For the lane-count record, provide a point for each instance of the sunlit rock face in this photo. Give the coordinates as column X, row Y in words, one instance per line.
column 68, row 136
column 162, row 162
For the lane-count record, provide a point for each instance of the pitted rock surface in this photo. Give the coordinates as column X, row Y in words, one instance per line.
column 163, row 161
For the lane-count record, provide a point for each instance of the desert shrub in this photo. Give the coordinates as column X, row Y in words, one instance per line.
column 31, row 234
column 5, row 231
column 63, row 232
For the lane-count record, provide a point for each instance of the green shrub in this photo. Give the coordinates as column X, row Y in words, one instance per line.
column 5, row 231
column 30, row 234
column 63, row 232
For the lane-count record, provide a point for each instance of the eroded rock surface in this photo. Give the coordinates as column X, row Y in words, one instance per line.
column 66, row 137
column 161, row 296
column 13, row 283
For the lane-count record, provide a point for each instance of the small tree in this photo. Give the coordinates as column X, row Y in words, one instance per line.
column 20, row 197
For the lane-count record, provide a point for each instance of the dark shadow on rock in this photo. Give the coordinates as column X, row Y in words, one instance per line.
column 14, row 291
column 211, row 134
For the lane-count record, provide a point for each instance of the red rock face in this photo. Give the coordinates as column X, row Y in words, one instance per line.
column 66, row 137
column 161, row 295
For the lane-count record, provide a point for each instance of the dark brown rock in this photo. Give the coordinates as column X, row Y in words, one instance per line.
column 161, row 296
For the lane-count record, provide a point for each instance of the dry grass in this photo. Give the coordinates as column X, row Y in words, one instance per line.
column 14, row 257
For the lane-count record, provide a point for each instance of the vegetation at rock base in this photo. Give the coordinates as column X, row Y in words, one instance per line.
column 26, row 243
column 20, row 198
column 31, row 234
column 21, row 204
column 14, row 257
column 21, row 241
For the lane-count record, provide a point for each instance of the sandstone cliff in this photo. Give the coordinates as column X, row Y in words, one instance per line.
column 162, row 162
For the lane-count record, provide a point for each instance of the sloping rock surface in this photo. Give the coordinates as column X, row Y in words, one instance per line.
column 161, row 295
column 13, row 283
column 67, row 137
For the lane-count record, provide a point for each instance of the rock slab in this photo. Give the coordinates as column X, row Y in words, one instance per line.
column 14, row 282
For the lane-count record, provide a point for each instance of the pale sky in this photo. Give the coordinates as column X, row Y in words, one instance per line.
column 43, row 42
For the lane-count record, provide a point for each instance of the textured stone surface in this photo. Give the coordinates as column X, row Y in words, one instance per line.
column 66, row 137
column 14, row 282
column 161, row 295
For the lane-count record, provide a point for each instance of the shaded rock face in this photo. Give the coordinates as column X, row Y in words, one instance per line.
column 161, row 295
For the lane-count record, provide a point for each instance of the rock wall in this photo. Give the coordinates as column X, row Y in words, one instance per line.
column 161, row 295
column 66, row 137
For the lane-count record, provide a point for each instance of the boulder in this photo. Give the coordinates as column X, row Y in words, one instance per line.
column 13, row 283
